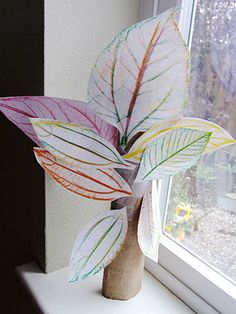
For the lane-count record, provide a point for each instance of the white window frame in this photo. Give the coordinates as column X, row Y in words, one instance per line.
column 201, row 287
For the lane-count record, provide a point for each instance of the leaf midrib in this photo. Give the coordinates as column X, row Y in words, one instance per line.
column 208, row 134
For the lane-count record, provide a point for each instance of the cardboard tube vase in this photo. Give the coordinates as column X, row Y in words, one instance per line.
column 122, row 278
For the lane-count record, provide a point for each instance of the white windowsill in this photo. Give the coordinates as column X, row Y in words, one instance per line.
column 53, row 295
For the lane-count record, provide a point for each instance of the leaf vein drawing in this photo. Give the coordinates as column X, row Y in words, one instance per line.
column 158, row 75
column 178, row 149
column 142, row 70
column 111, row 177
column 87, row 136
column 20, row 109
column 17, row 110
column 23, row 102
column 112, row 84
column 48, row 109
column 96, row 268
column 101, row 105
column 163, row 101
column 87, row 234
column 45, row 144
column 141, row 78
column 98, row 184
column 161, row 58
column 101, row 91
column 132, row 57
column 73, row 144
column 98, row 243
column 77, row 146
column 141, row 41
column 96, row 247
column 90, row 178
column 103, row 78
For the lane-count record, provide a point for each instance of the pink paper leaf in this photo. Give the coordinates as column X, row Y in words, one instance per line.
column 19, row 109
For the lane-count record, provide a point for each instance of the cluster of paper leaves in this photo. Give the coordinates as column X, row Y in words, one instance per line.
column 175, row 145
column 137, row 93
column 78, row 151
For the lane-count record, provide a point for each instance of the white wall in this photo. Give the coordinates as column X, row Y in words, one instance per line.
column 75, row 32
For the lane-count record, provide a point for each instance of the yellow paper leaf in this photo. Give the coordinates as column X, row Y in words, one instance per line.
column 219, row 138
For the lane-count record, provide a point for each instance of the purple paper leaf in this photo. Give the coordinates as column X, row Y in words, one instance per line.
column 19, row 109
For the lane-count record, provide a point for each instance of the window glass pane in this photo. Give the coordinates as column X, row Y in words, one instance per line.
column 201, row 212
column 213, row 63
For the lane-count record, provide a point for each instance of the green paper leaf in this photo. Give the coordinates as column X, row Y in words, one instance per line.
column 177, row 150
column 98, row 243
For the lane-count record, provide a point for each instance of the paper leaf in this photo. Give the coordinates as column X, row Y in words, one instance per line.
column 177, row 150
column 20, row 109
column 141, row 77
column 97, row 184
column 76, row 145
column 219, row 138
column 137, row 149
column 149, row 225
column 98, row 243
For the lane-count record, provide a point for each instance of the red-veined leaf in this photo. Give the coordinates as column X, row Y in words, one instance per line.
column 97, row 184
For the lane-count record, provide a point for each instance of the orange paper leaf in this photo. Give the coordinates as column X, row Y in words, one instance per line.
column 97, row 184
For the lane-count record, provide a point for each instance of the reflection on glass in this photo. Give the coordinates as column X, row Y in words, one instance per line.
column 202, row 210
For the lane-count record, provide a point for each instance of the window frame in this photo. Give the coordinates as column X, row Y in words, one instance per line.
column 199, row 286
